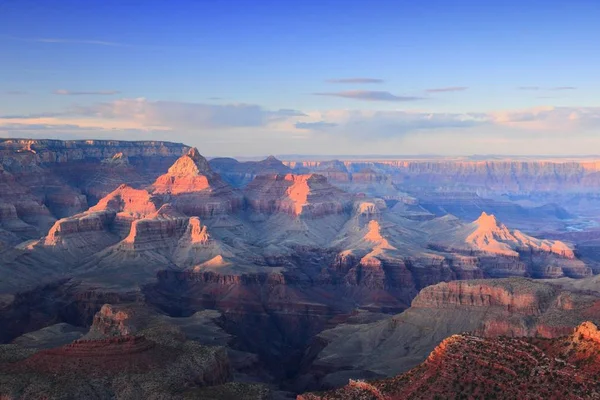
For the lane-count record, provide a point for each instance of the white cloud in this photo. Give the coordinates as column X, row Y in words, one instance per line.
column 387, row 124
column 143, row 114
column 252, row 129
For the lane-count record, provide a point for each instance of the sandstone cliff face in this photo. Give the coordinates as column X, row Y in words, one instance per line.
column 518, row 297
column 45, row 180
column 62, row 151
column 190, row 173
column 81, row 235
column 194, row 189
column 161, row 231
column 78, row 225
column 295, row 195
column 196, row 246
column 512, row 301
column 135, row 203
column 493, row 175
column 128, row 204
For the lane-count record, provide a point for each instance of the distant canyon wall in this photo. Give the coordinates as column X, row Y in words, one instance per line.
column 494, row 175
column 50, row 151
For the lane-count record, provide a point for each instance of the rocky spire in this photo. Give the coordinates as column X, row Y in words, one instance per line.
column 190, row 164
column 487, row 220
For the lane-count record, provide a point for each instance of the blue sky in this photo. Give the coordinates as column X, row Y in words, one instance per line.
column 405, row 77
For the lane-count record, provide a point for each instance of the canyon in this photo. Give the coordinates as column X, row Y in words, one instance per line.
column 469, row 366
column 273, row 278
column 377, row 346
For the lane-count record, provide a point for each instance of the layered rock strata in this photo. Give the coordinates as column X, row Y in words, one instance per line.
column 471, row 366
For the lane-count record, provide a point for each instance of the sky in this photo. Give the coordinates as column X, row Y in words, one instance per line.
column 259, row 77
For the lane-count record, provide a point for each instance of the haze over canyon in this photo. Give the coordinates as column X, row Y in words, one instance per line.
column 133, row 269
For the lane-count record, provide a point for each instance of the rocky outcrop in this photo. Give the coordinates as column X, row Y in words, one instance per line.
column 130, row 350
column 117, row 160
column 158, row 230
column 488, row 235
column 295, row 195
column 503, row 252
column 190, row 173
column 78, row 226
column 518, row 296
column 115, row 367
column 136, row 203
column 82, row 235
column 128, row 204
column 62, row 300
column 194, row 189
column 118, row 321
column 513, row 307
column 64, row 151
column 471, row 366
column 586, row 331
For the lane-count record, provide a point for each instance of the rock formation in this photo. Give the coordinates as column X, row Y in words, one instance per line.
column 239, row 174
column 513, row 307
column 130, row 351
column 319, row 271
column 526, row 193
column 533, row 175
column 307, row 195
column 488, row 235
column 81, row 235
column 194, row 189
column 64, row 151
column 115, row 367
column 471, row 366
column 45, row 180
column 512, row 252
